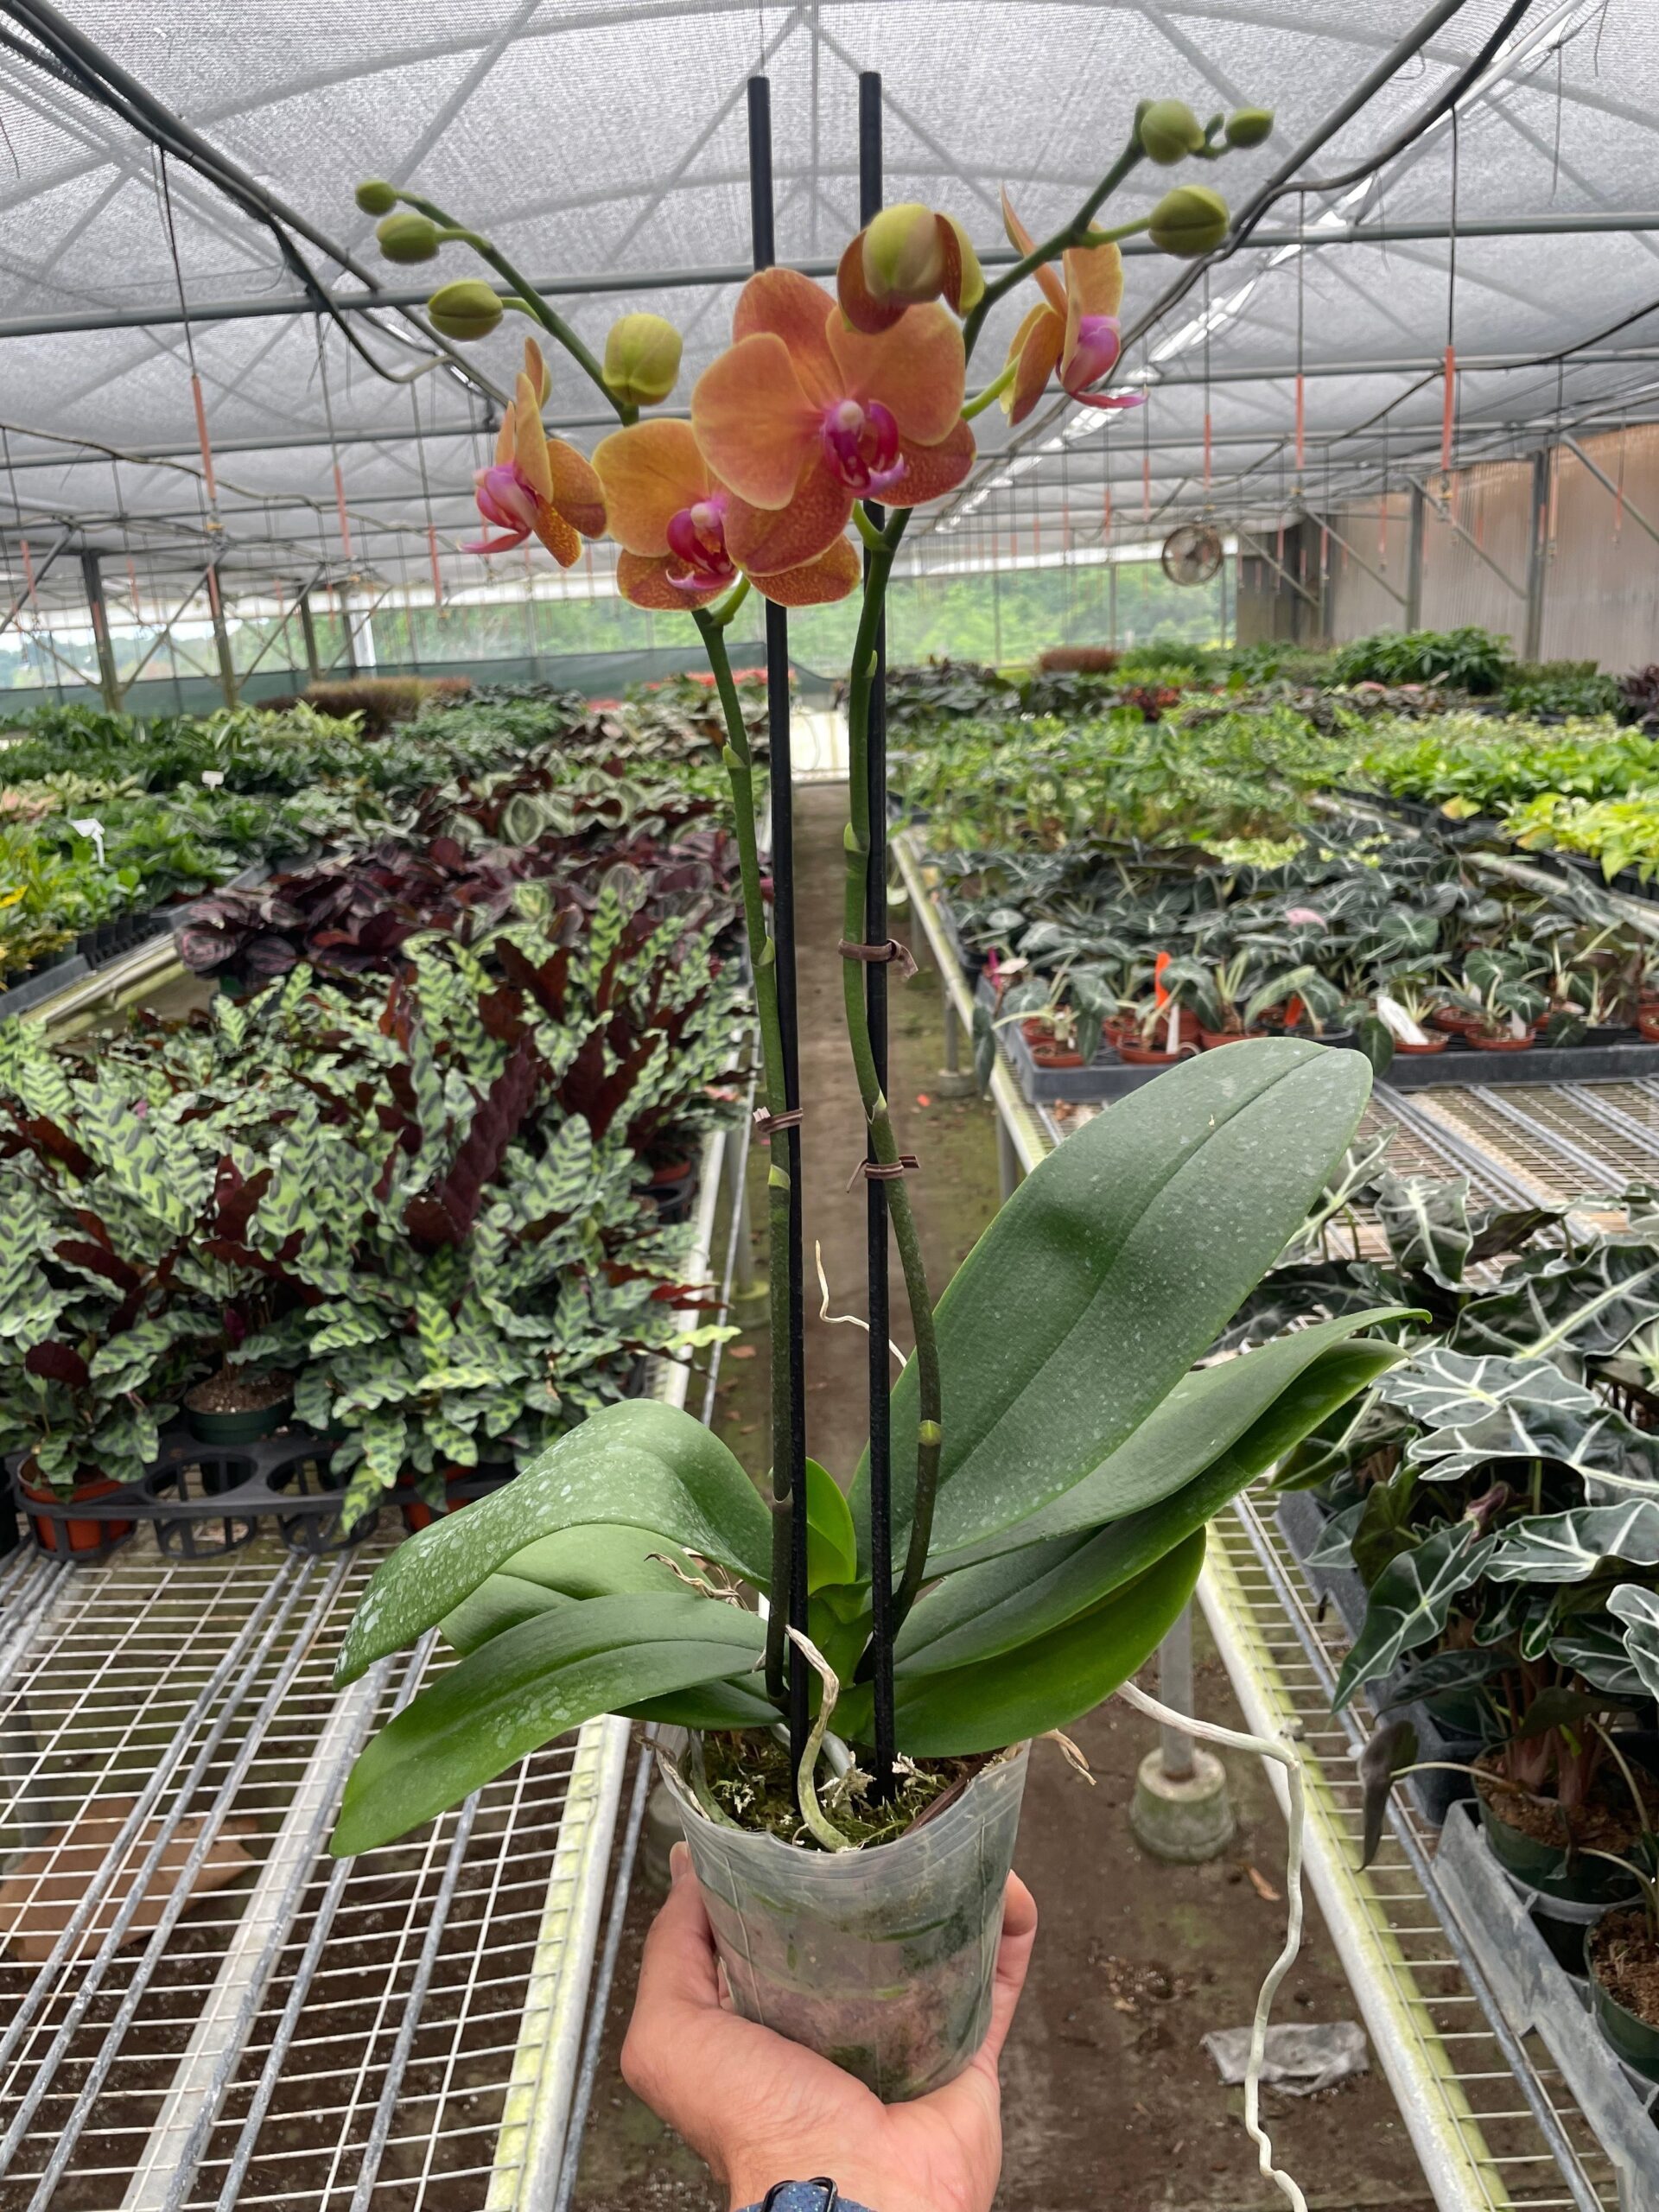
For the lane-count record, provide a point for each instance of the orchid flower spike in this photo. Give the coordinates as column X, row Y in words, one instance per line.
column 802, row 415
column 903, row 257
column 667, row 513
column 537, row 486
column 1073, row 328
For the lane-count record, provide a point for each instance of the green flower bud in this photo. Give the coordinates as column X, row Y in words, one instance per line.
column 1189, row 221
column 408, row 237
column 903, row 257
column 642, row 359
column 1250, row 126
column 1169, row 131
column 375, row 197
column 465, row 310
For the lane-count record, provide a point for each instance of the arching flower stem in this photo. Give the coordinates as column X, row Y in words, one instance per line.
column 528, row 298
column 1075, row 233
column 993, row 392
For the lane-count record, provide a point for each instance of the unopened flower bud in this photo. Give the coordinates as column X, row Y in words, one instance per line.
column 904, row 256
column 1189, row 221
column 408, row 237
column 466, row 310
column 1169, row 131
column 1250, row 126
column 375, row 197
column 642, row 359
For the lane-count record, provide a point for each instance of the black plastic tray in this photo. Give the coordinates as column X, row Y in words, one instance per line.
column 1107, row 1077
column 204, row 1500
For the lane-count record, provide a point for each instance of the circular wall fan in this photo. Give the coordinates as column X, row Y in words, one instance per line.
column 1192, row 554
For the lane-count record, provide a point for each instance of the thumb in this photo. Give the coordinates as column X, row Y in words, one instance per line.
column 679, row 1965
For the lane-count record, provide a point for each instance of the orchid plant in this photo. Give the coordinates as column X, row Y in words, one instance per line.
column 1053, row 1460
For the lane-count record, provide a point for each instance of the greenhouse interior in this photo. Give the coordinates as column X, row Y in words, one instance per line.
column 830, row 1105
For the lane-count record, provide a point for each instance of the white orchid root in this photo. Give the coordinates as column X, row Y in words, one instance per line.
column 812, row 1813
column 1289, row 1758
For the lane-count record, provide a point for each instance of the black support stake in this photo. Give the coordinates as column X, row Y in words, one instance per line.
column 782, row 935
column 876, row 1001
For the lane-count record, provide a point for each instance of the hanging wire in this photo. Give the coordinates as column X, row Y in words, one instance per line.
column 333, row 448
column 1449, row 411
column 426, row 509
column 1301, row 292
column 1207, row 456
column 210, row 520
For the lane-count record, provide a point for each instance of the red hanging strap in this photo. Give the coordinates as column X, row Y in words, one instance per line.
column 202, row 439
column 28, row 572
column 437, row 573
column 344, row 520
column 1449, row 410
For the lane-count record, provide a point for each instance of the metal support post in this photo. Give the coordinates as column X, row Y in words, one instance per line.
column 952, row 1080
column 1416, row 516
column 1181, row 1809
column 346, row 629
column 308, row 632
column 1538, row 557
column 221, row 640
column 108, row 682
column 1007, row 1161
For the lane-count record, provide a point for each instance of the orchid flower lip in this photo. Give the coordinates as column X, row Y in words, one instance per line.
column 861, row 445
column 696, row 536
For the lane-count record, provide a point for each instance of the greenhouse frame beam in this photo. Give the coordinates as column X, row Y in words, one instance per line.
column 1607, row 484
column 604, row 284
column 1443, row 513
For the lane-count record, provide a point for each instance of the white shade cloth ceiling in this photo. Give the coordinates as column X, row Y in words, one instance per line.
column 608, row 142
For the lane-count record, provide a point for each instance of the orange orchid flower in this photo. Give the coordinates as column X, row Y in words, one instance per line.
column 537, row 486
column 1073, row 327
column 802, row 415
column 667, row 513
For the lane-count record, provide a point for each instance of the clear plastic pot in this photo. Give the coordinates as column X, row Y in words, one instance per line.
column 881, row 1960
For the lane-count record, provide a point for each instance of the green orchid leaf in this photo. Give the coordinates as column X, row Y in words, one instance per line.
column 1570, row 1547
column 1209, row 1410
column 1113, row 1268
column 648, row 1465
column 1007, row 1601
column 1047, row 1683
column 1411, row 1600
column 527, row 1685
column 707, row 1705
column 831, row 1545
column 591, row 1562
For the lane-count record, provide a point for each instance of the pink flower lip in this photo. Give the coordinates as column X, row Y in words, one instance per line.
column 1095, row 354
column 505, row 496
column 696, row 535
column 861, row 446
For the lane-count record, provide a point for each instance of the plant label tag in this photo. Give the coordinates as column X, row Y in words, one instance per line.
column 90, row 826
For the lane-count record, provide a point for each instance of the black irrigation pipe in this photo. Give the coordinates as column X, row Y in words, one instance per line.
column 780, row 778
column 876, row 1004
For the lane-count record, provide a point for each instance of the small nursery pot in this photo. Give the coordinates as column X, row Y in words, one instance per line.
column 1145, row 1056
column 1454, row 1020
column 1630, row 2038
column 74, row 1537
column 1547, row 1868
column 881, row 1960
column 1429, row 1044
column 240, row 1428
column 1483, row 1041
column 1647, row 1022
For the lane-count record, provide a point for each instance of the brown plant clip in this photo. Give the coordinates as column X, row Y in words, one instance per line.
column 767, row 1125
column 882, row 1171
column 877, row 956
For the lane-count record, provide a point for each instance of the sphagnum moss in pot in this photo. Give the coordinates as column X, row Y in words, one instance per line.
column 855, row 1679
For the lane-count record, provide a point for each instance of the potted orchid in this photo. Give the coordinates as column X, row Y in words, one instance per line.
column 1055, row 1454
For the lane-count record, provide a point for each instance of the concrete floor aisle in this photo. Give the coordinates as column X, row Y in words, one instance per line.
column 1109, row 2099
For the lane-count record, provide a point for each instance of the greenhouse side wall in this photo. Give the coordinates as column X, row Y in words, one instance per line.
column 1601, row 567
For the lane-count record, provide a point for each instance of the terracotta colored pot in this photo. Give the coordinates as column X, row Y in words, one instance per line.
column 74, row 1537
column 417, row 1514
column 1114, row 1029
column 1647, row 1020
column 1484, row 1044
column 1055, row 1056
column 1453, row 1021
column 1143, row 1056
column 1433, row 1044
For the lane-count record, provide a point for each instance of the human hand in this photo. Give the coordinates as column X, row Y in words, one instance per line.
column 760, row 2109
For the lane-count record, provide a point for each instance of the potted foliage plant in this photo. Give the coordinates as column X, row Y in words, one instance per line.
column 856, row 1678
